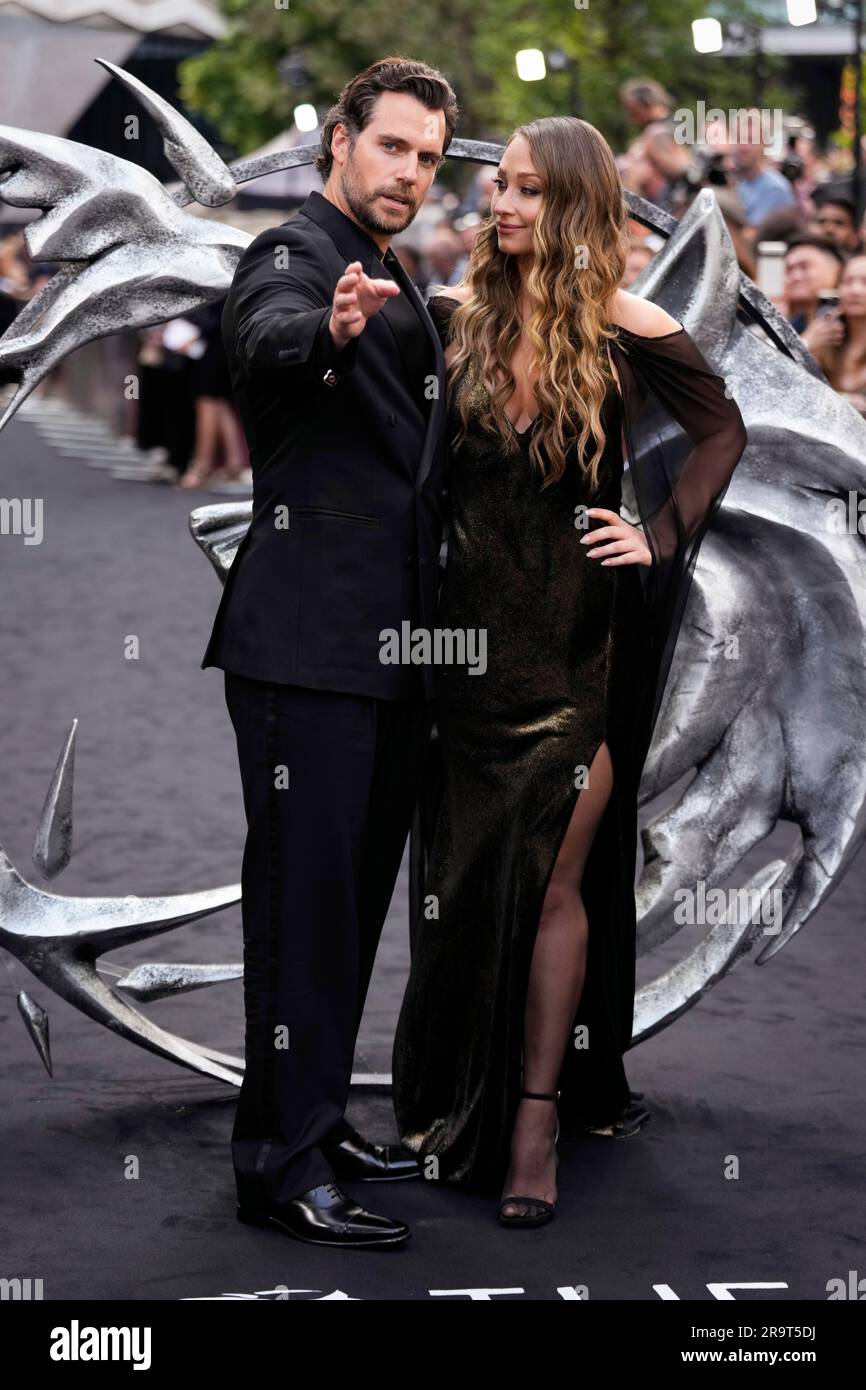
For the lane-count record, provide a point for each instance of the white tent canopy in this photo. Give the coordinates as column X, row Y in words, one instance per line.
column 47, row 74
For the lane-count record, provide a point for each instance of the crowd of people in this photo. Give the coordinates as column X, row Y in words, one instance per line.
column 790, row 192
column 801, row 200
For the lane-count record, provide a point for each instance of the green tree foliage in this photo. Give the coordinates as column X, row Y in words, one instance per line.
column 237, row 81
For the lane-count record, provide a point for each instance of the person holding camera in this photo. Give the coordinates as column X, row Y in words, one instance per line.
column 812, row 270
column 837, row 336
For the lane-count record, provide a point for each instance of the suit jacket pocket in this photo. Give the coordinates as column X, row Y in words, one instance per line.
column 351, row 588
column 332, row 514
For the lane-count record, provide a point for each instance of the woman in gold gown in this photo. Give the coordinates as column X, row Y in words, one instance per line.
column 519, row 1003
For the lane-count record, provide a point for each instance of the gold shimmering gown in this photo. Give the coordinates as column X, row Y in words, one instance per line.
column 576, row 653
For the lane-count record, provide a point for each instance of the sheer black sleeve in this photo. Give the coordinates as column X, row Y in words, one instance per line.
column 440, row 308
column 684, row 437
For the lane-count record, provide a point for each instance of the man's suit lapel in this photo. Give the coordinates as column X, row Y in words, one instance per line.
column 401, row 315
column 434, row 418
column 354, row 244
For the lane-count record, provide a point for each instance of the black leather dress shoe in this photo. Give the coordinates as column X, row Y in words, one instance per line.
column 326, row 1215
column 356, row 1159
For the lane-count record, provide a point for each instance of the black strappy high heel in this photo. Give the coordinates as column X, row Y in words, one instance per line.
column 540, row 1211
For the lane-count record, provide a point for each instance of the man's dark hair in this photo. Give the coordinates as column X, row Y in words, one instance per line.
column 354, row 107
column 839, row 201
column 820, row 243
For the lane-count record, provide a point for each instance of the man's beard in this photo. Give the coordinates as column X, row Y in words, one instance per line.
column 363, row 206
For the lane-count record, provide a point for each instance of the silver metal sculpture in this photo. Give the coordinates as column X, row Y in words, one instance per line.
column 60, row 939
column 776, row 582
column 130, row 257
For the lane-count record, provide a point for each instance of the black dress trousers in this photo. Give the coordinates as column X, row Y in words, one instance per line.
column 330, row 780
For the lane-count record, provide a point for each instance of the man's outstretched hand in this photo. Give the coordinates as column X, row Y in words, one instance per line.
column 356, row 299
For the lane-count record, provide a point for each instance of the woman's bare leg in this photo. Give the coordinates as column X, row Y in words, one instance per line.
column 556, row 979
column 232, row 440
column 206, row 443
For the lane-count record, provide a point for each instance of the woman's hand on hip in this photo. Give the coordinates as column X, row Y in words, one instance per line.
column 626, row 544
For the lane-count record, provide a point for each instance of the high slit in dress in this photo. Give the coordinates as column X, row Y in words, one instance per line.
column 575, row 652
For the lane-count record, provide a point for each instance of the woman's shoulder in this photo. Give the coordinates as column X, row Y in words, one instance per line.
column 442, row 300
column 636, row 317
column 637, row 321
column 640, row 318
column 459, row 293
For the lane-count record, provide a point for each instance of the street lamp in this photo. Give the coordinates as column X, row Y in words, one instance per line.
column 802, row 11
column 293, row 69
column 532, row 66
column 306, row 117
column 806, row 12
column 708, row 37
column 561, row 62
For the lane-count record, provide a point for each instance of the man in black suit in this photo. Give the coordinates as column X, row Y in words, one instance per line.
column 338, row 374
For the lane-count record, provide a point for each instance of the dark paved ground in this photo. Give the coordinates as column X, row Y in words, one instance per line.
column 769, row 1068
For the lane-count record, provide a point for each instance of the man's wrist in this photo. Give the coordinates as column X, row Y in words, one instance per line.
column 339, row 342
column 327, row 355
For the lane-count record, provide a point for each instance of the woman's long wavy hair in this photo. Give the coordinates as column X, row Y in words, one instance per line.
column 580, row 244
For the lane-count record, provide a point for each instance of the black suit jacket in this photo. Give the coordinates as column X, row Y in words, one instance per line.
column 348, row 454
